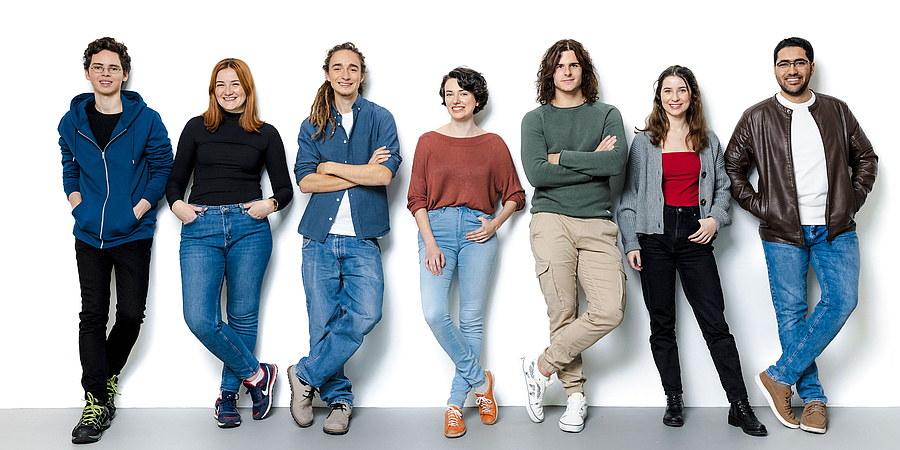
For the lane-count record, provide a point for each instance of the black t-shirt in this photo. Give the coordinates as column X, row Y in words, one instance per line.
column 102, row 125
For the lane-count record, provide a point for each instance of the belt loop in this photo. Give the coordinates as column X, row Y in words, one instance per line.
column 203, row 211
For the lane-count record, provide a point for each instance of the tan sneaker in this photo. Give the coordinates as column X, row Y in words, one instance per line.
column 487, row 407
column 453, row 422
column 813, row 418
column 779, row 398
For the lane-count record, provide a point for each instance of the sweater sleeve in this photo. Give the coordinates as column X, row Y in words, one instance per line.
column 185, row 158
column 417, row 195
column 626, row 214
column 721, row 197
column 539, row 171
column 507, row 182
column 605, row 163
column 276, row 166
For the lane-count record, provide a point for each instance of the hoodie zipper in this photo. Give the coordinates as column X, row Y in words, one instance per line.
column 106, row 174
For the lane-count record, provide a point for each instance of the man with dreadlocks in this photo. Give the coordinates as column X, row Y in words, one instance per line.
column 348, row 154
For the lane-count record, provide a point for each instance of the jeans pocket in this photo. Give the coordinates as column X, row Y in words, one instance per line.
column 372, row 243
column 306, row 242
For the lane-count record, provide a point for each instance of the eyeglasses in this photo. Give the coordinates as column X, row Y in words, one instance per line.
column 798, row 63
column 99, row 68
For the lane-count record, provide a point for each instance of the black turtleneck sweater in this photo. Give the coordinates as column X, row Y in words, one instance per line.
column 227, row 165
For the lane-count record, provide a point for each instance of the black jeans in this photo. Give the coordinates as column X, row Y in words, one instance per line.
column 661, row 256
column 102, row 356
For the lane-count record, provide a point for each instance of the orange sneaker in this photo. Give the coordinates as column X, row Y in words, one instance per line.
column 453, row 423
column 487, row 407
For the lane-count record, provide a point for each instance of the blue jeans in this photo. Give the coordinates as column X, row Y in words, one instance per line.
column 803, row 339
column 344, row 285
column 474, row 264
column 225, row 242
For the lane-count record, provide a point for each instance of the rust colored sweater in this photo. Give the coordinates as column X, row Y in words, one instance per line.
column 470, row 171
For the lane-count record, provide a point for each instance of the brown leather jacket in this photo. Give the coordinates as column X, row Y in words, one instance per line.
column 763, row 137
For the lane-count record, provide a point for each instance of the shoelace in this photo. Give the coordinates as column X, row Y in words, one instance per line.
column 672, row 400
column 91, row 410
column 484, row 404
column 339, row 406
column 815, row 409
column 453, row 417
column 112, row 386
column 228, row 402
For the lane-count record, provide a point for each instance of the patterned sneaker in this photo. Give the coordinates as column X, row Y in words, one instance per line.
column 576, row 410
column 226, row 410
column 94, row 419
column 535, row 384
column 487, row 407
column 453, row 422
column 813, row 418
column 112, row 385
column 338, row 420
column 261, row 391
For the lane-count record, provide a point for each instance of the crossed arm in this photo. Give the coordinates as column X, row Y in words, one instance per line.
column 331, row 176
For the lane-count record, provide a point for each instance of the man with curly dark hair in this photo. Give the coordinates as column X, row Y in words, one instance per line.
column 116, row 158
column 571, row 145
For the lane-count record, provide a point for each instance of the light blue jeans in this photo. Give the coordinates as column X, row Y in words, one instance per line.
column 473, row 263
column 344, row 284
column 803, row 338
column 225, row 242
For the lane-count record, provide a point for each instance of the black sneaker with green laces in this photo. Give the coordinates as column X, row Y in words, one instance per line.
column 94, row 419
column 111, row 392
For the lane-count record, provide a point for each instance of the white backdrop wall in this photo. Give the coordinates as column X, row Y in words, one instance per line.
column 408, row 47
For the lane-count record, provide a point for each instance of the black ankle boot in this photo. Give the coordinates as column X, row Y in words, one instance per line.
column 674, row 416
column 741, row 415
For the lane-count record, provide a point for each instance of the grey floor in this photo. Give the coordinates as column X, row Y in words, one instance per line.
column 421, row 428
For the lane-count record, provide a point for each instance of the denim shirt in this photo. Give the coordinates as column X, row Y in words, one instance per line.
column 373, row 128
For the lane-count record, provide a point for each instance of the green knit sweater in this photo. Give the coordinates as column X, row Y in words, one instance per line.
column 579, row 185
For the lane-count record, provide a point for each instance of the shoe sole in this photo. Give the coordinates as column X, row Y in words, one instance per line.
column 771, row 402
column 229, row 424
column 85, row 440
column 334, row 432
column 531, row 414
column 673, row 424
column 451, row 436
column 571, row 428
column 291, row 381
column 812, row 430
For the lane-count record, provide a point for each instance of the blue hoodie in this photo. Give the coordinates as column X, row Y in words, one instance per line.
column 134, row 165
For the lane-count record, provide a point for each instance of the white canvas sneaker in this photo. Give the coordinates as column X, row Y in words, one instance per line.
column 576, row 410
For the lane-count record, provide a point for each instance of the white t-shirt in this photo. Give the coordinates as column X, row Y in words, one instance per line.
column 343, row 220
column 808, row 154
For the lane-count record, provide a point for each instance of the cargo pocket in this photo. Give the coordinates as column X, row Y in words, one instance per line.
column 544, row 274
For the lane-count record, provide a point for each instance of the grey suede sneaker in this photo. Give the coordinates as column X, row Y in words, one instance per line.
column 338, row 420
column 301, row 399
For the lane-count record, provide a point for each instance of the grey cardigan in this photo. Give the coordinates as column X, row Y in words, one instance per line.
column 641, row 206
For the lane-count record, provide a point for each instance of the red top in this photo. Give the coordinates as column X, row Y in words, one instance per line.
column 681, row 178
column 469, row 171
